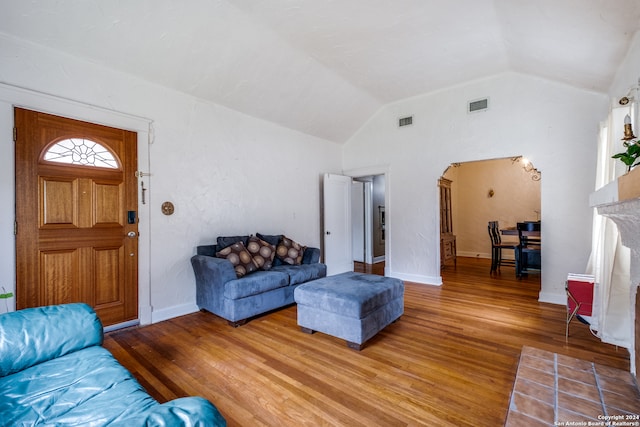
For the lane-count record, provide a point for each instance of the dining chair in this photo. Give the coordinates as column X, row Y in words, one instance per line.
column 528, row 255
column 497, row 248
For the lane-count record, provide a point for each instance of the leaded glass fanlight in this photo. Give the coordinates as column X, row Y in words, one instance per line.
column 79, row 151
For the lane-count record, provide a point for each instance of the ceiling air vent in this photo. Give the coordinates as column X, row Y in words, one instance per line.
column 405, row 121
column 478, row 105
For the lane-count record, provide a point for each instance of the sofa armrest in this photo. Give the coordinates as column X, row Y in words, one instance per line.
column 211, row 271
column 311, row 255
column 35, row 335
column 184, row 412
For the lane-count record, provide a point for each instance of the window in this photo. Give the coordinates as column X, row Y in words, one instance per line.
column 84, row 152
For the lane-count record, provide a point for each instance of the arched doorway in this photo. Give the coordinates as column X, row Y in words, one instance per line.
column 506, row 190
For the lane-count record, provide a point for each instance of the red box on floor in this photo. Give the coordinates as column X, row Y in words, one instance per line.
column 580, row 287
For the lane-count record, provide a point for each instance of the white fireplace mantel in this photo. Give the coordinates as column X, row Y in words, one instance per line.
column 622, row 205
column 626, row 215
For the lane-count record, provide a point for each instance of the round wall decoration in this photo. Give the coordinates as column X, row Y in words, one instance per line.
column 167, row 208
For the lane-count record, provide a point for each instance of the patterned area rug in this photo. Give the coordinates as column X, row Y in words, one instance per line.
column 555, row 390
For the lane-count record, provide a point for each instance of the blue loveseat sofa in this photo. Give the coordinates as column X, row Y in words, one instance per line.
column 219, row 290
column 54, row 371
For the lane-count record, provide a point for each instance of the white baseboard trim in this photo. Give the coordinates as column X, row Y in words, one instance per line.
column 473, row 254
column 121, row 326
column 145, row 313
column 173, row 311
column 553, row 298
column 417, row 278
column 483, row 255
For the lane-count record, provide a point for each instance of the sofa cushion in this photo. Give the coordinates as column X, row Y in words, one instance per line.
column 274, row 239
column 58, row 330
column 311, row 255
column 240, row 257
column 226, row 241
column 257, row 283
column 86, row 387
column 302, row 273
column 207, row 250
column 262, row 252
column 289, row 251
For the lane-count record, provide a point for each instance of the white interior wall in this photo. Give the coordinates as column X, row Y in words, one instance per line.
column 628, row 74
column 553, row 125
column 7, row 217
column 226, row 172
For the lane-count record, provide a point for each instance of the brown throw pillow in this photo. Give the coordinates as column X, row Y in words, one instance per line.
column 262, row 252
column 240, row 257
column 289, row 251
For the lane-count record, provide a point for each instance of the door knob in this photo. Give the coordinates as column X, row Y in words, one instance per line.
column 131, row 234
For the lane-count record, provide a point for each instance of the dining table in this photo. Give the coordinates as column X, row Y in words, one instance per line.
column 509, row 231
column 513, row 231
column 527, row 257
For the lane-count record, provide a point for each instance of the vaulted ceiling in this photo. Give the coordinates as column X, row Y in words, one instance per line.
column 323, row 67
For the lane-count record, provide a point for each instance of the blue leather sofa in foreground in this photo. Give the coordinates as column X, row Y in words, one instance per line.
column 54, row 371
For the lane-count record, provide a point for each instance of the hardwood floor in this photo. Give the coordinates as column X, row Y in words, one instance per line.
column 451, row 360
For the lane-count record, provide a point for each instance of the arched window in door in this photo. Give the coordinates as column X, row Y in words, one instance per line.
column 79, row 151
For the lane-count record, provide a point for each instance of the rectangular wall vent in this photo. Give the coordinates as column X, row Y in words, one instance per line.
column 478, row 105
column 405, row 121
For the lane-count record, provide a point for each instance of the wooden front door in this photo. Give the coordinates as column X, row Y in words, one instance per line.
column 76, row 215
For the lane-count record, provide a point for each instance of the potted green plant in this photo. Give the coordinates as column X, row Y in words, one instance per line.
column 630, row 157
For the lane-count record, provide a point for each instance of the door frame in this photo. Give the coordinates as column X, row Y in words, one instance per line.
column 380, row 170
column 358, row 228
column 13, row 96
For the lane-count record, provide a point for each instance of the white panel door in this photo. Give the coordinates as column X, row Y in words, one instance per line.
column 337, row 224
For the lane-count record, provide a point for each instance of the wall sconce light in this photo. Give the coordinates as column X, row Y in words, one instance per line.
column 528, row 167
column 628, row 131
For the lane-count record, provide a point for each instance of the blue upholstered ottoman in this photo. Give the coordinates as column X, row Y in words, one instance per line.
column 351, row 306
